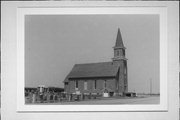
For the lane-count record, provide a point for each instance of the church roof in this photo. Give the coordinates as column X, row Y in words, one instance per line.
column 119, row 41
column 91, row 70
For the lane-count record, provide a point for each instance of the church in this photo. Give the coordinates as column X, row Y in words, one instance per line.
column 100, row 78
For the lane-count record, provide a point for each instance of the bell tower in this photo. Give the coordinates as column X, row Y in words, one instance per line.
column 120, row 60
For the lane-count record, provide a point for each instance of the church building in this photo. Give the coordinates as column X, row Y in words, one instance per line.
column 102, row 77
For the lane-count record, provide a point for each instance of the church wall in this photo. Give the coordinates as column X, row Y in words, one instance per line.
column 90, row 84
column 100, row 85
column 71, row 86
column 66, row 88
column 110, row 83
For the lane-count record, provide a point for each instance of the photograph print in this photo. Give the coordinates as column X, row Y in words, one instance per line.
column 92, row 59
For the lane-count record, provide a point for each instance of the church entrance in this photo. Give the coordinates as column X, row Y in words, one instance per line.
column 111, row 94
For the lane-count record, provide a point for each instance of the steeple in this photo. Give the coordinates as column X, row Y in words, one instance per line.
column 120, row 60
column 119, row 42
column 119, row 49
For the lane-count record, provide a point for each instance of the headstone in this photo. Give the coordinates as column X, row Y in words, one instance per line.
column 33, row 98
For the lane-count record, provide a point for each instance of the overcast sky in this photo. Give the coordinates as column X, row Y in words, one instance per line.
column 54, row 43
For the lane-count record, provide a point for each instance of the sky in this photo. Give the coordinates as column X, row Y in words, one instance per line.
column 54, row 43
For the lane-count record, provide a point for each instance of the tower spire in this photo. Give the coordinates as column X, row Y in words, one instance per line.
column 119, row 42
column 119, row 49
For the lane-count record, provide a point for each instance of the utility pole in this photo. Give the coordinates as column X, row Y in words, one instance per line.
column 150, row 86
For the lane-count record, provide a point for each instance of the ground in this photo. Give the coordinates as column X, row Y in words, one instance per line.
column 126, row 100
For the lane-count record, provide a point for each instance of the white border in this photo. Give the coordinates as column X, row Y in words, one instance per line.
column 162, row 11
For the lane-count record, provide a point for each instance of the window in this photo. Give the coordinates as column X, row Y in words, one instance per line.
column 125, row 67
column 104, row 83
column 85, row 85
column 125, row 71
column 95, row 84
column 117, row 52
column 124, row 53
column 76, row 84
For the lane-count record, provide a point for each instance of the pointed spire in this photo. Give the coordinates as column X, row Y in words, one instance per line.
column 119, row 42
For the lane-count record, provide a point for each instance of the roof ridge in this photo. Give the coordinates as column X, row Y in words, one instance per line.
column 93, row 63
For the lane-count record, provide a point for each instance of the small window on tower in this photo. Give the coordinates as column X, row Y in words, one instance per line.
column 123, row 52
column 118, row 53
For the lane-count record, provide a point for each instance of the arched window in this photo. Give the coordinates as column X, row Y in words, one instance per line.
column 85, row 85
column 95, row 84
column 76, row 84
column 104, row 83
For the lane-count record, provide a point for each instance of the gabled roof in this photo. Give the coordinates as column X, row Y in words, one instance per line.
column 119, row 41
column 91, row 70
